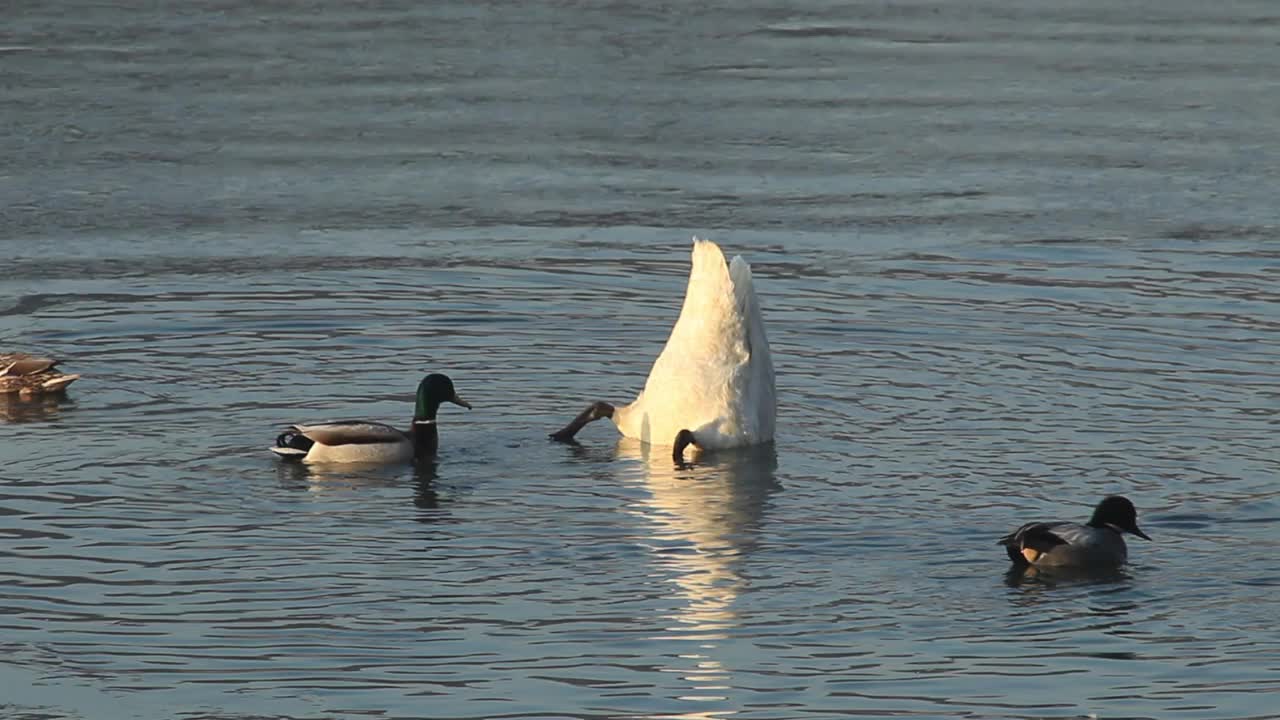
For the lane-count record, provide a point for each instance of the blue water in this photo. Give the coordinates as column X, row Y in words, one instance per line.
column 1012, row 257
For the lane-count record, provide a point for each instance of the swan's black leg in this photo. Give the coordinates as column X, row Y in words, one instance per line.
column 595, row 411
column 684, row 439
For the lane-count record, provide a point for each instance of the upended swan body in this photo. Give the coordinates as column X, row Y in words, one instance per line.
column 712, row 385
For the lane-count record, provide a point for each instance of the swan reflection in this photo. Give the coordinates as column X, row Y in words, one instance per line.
column 706, row 522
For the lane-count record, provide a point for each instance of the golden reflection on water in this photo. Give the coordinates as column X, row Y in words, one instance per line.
column 706, row 518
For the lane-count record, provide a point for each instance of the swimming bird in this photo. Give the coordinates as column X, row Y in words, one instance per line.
column 30, row 375
column 1098, row 544
column 363, row 441
column 712, row 385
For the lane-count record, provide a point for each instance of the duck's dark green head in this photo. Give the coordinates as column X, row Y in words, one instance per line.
column 432, row 391
column 1116, row 511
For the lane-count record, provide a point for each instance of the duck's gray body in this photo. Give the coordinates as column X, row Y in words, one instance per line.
column 1098, row 544
column 1059, row 544
column 346, row 441
column 363, row 441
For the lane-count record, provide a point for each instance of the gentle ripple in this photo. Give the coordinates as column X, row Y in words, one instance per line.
column 1012, row 257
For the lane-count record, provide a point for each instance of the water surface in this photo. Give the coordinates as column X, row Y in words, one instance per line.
column 1012, row 256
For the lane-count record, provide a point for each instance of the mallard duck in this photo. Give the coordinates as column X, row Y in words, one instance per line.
column 29, row 375
column 1097, row 544
column 362, row 441
column 712, row 386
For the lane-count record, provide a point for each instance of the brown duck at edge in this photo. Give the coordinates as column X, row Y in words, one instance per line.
column 31, row 375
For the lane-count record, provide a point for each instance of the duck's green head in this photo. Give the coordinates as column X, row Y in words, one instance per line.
column 1117, row 512
column 435, row 389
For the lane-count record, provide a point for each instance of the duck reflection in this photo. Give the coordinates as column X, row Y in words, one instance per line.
column 338, row 477
column 425, row 496
column 707, row 518
column 16, row 409
column 1076, row 602
column 322, row 479
column 1035, row 579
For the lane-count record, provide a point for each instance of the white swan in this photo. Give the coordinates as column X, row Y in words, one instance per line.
column 712, row 386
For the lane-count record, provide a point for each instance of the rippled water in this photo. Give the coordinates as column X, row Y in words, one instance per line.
column 1013, row 256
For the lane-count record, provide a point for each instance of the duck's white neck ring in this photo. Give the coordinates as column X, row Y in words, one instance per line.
column 424, row 422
